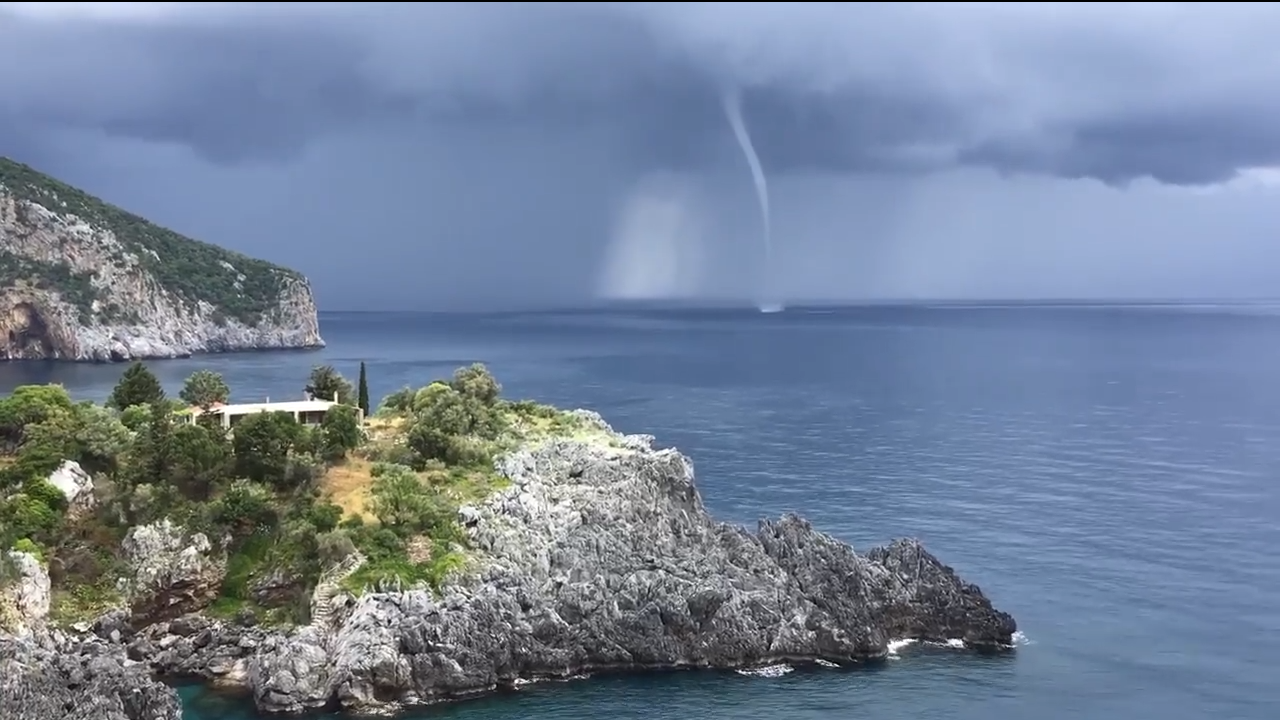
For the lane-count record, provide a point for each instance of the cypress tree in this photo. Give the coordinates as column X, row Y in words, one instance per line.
column 363, row 392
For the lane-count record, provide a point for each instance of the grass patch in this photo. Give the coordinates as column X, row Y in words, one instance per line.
column 247, row 561
column 529, row 421
column 464, row 485
column 228, row 608
column 225, row 608
column 83, row 602
column 347, row 485
column 396, row 571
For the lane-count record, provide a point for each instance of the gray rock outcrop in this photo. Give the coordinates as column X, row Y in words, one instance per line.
column 24, row 594
column 84, row 281
column 172, row 572
column 601, row 557
column 76, row 484
column 598, row 557
column 192, row 646
column 54, row 677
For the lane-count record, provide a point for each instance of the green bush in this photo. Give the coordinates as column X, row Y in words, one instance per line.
column 324, row 516
column 24, row 516
column 477, row 383
column 204, row 389
column 397, row 403
column 262, row 443
column 42, row 490
column 325, row 383
column 340, row 431
column 135, row 417
column 28, row 546
column 29, row 405
column 403, row 504
column 245, row 508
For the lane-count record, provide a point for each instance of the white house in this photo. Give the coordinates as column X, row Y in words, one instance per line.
column 307, row 412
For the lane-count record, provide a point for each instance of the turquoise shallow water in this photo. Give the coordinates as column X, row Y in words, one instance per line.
column 1107, row 475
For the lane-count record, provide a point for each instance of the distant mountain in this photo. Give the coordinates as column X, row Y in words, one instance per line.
column 81, row 279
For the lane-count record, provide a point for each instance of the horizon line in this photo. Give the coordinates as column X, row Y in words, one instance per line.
column 820, row 303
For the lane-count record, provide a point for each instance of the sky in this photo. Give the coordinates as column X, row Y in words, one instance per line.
column 449, row 156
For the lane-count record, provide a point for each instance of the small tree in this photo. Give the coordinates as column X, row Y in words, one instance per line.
column 200, row 459
column 363, row 391
column 325, row 383
column 89, row 434
column 137, row 386
column 204, row 389
column 149, row 458
column 402, row 504
column 30, row 404
column 262, row 442
column 477, row 382
column 340, row 430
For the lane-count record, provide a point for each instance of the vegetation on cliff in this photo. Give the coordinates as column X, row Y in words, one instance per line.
column 236, row 285
column 75, row 287
column 283, row 501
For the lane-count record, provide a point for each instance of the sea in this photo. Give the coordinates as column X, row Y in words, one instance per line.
column 1110, row 475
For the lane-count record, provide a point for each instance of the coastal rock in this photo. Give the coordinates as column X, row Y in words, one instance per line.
column 87, row 281
column 24, row 596
column 193, row 646
column 53, row 677
column 601, row 557
column 75, row 484
column 293, row 673
column 171, row 572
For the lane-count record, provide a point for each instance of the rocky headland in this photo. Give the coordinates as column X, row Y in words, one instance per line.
column 83, row 280
column 594, row 554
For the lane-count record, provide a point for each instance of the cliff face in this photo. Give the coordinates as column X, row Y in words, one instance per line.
column 83, row 280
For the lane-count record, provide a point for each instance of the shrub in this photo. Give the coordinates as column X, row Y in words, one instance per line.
column 402, row 503
column 245, row 508
column 26, row 545
column 398, row 402
column 262, row 442
column 476, row 382
column 340, row 431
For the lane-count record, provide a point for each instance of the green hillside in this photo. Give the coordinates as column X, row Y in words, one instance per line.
column 188, row 268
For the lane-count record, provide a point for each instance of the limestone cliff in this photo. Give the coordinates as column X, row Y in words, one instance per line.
column 83, row 280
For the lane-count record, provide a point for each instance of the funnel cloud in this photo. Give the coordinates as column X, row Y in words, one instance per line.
column 452, row 156
column 733, row 111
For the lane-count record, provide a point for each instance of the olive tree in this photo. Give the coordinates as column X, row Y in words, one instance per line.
column 340, row 431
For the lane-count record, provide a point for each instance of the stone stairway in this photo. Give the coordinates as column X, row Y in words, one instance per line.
column 328, row 598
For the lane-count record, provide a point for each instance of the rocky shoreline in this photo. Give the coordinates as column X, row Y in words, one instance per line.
column 599, row 557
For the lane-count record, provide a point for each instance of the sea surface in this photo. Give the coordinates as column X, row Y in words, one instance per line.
column 1107, row 474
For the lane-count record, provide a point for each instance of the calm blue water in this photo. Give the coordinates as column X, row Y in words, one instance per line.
column 1109, row 476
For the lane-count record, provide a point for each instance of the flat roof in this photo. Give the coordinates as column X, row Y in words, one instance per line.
column 288, row 406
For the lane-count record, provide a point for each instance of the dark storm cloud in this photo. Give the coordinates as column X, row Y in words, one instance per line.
column 1107, row 90
column 232, row 91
